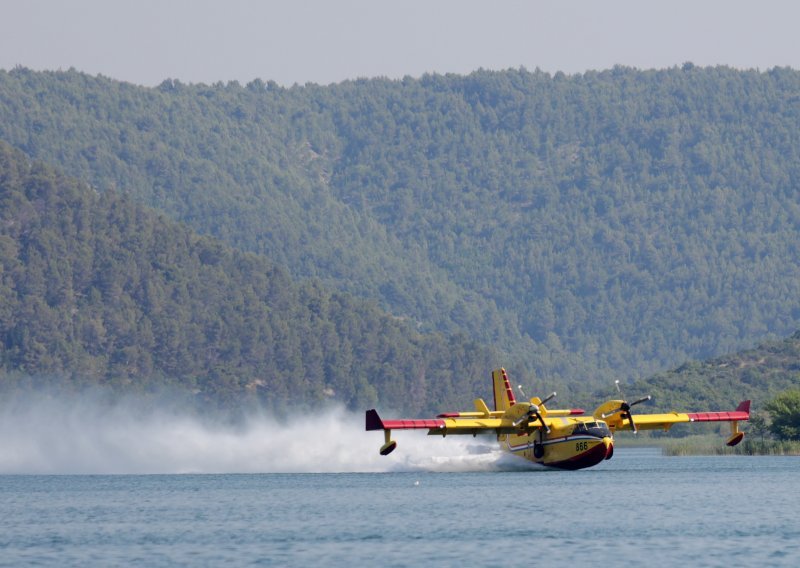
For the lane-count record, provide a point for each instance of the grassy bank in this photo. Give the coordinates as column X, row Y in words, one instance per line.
column 713, row 445
column 708, row 445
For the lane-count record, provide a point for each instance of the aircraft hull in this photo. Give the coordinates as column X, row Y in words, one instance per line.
column 568, row 452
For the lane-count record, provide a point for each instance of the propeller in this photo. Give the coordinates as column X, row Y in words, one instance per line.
column 533, row 412
column 625, row 408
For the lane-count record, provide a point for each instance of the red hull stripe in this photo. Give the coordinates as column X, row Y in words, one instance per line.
column 412, row 424
column 586, row 459
column 717, row 416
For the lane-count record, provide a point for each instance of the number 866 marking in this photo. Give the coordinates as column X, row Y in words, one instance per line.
column 581, row 446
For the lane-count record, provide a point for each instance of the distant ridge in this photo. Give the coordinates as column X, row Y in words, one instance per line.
column 594, row 226
column 96, row 290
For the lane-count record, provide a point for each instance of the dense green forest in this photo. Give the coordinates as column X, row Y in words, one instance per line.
column 768, row 375
column 594, row 226
column 98, row 290
column 758, row 374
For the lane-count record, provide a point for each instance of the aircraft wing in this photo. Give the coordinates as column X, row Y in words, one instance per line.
column 442, row 426
column 665, row 421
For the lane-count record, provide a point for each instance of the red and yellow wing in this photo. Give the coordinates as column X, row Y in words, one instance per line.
column 620, row 421
column 447, row 424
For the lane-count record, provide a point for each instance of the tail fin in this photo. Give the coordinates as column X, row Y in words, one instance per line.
column 503, row 395
column 744, row 406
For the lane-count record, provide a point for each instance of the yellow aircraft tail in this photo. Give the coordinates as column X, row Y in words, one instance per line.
column 503, row 395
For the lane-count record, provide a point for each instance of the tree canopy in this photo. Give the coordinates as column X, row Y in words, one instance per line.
column 760, row 374
column 784, row 410
column 593, row 226
column 97, row 290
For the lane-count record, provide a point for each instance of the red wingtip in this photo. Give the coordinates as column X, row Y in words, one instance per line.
column 577, row 411
column 744, row 406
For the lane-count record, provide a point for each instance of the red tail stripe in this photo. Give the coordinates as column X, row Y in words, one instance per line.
column 509, row 393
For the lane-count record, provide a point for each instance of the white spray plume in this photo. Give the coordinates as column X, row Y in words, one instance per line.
column 86, row 436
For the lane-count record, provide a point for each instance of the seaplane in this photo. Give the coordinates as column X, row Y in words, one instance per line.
column 565, row 439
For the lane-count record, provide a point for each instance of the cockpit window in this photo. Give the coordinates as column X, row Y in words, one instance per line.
column 599, row 429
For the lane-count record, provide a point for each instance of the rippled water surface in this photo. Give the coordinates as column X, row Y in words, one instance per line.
column 637, row 508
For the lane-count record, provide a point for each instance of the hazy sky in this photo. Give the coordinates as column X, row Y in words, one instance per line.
column 147, row 41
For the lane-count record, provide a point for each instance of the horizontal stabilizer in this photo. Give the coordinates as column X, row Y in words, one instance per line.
column 374, row 422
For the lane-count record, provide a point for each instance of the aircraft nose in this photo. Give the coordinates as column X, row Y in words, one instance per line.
column 608, row 442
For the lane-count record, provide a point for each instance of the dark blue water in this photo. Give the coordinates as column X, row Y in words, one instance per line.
column 637, row 508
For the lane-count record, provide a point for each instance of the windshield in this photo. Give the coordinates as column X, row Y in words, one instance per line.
column 598, row 428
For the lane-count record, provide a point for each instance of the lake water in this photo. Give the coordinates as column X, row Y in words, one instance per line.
column 638, row 508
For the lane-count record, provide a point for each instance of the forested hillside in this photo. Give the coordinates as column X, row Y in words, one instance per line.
column 98, row 290
column 592, row 226
column 758, row 374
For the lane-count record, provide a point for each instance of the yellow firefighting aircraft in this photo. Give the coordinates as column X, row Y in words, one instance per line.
column 563, row 439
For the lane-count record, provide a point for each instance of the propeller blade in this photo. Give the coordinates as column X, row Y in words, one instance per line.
column 548, row 399
column 538, row 417
column 625, row 409
column 532, row 413
column 520, row 420
column 633, row 425
column 544, row 425
column 612, row 413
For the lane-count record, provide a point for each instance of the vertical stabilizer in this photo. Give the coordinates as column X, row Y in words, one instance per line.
column 503, row 395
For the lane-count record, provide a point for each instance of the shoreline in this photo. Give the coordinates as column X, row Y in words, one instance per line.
column 712, row 445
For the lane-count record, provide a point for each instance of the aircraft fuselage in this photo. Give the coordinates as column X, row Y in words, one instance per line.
column 574, row 444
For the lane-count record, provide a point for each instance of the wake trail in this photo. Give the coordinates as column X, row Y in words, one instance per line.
column 83, row 436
